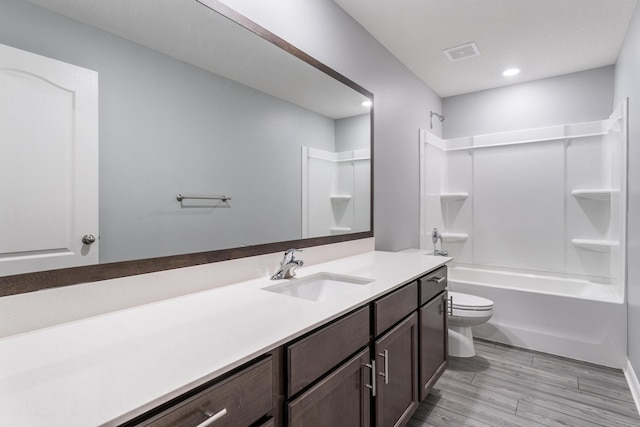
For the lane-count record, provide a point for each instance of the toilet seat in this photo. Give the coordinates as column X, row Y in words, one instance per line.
column 464, row 302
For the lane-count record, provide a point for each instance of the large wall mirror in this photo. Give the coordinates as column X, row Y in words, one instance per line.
column 268, row 147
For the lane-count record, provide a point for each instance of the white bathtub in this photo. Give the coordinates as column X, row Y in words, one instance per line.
column 553, row 314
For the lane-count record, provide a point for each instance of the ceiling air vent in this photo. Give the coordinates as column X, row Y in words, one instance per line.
column 463, row 51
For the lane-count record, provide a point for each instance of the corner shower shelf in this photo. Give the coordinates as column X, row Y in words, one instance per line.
column 340, row 197
column 339, row 230
column 452, row 197
column 595, row 245
column 454, row 237
column 594, row 194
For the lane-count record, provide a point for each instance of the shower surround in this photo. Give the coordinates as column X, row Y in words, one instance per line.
column 535, row 220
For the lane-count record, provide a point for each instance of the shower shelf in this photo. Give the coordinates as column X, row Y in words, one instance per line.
column 594, row 194
column 454, row 237
column 595, row 245
column 339, row 230
column 340, row 197
column 452, row 197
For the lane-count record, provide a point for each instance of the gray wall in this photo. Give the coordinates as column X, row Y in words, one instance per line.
column 628, row 86
column 353, row 133
column 167, row 127
column 401, row 102
column 572, row 98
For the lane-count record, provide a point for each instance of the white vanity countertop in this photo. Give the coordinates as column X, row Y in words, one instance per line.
column 106, row 369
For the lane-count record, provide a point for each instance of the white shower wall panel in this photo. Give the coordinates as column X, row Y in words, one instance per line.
column 617, row 180
column 458, row 214
column 319, row 210
column 518, row 206
column 587, row 168
column 362, row 196
column 587, row 162
column 343, row 184
column 434, row 169
column 335, row 192
column 549, row 200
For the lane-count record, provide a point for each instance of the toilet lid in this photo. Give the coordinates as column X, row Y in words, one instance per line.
column 470, row 302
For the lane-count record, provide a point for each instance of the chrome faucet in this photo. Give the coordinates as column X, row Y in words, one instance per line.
column 435, row 236
column 288, row 265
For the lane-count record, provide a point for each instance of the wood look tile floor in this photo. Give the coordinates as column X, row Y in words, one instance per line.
column 508, row 386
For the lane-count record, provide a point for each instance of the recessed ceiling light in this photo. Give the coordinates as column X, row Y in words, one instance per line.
column 367, row 103
column 511, row 72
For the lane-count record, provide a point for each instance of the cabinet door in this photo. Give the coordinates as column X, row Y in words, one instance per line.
column 341, row 399
column 397, row 367
column 433, row 342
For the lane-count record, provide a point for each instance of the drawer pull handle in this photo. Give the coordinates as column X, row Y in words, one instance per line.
column 212, row 417
column 385, row 374
column 372, row 386
column 438, row 280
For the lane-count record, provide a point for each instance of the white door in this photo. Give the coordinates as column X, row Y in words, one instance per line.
column 48, row 163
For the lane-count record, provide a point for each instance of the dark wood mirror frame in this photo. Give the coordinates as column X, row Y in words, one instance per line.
column 30, row 282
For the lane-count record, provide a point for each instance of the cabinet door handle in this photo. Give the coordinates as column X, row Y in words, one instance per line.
column 445, row 306
column 372, row 386
column 450, row 306
column 438, row 279
column 385, row 374
column 212, row 417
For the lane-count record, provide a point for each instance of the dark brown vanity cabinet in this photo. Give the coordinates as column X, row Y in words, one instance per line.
column 434, row 336
column 406, row 353
column 335, row 392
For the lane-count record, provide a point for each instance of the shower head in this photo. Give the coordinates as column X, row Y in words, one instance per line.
column 431, row 114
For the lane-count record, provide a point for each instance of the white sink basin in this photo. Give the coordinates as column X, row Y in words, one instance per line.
column 319, row 287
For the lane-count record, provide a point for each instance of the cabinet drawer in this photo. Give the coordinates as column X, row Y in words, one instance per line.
column 432, row 284
column 394, row 307
column 241, row 400
column 313, row 356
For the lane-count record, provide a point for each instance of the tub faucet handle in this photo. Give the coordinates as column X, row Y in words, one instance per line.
column 435, row 236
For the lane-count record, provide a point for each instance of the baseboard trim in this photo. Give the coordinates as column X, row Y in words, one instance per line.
column 634, row 385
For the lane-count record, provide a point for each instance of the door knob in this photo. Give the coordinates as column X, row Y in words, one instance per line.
column 88, row 239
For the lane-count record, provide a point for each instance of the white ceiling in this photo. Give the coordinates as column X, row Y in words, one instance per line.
column 543, row 38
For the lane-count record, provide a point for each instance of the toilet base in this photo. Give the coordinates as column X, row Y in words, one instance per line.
column 461, row 341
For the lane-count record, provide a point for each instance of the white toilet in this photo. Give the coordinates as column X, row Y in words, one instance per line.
column 467, row 311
